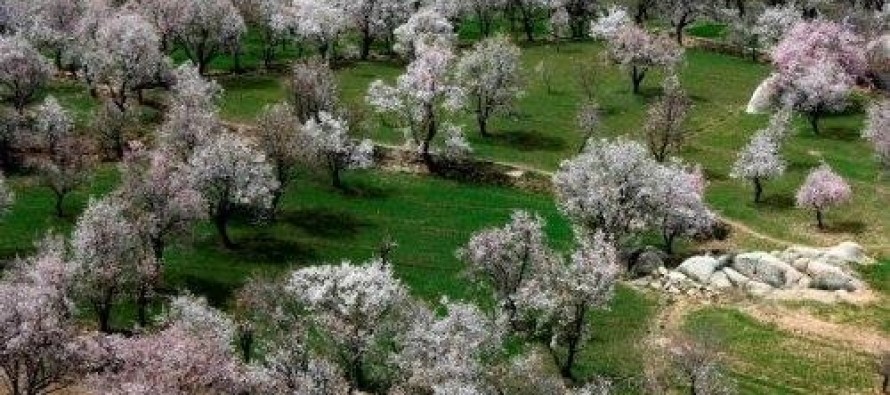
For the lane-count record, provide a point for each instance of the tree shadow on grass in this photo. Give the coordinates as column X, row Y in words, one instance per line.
column 267, row 248
column 778, row 201
column 325, row 222
column 528, row 140
column 848, row 227
column 839, row 133
column 362, row 188
column 217, row 292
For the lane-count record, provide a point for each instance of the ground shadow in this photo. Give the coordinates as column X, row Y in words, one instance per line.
column 324, row 222
column 778, row 201
column 216, row 292
column 849, row 226
column 362, row 188
column 838, row 133
column 528, row 140
column 266, row 248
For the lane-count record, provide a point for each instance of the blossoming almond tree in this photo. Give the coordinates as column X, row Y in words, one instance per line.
column 355, row 308
column 822, row 190
column 637, row 50
column 193, row 116
column 877, row 131
column 23, row 71
column 230, row 172
column 112, row 260
column 204, row 28
column 125, row 56
column 421, row 96
column 280, row 137
column 328, row 143
column 490, row 75
column 760, row 160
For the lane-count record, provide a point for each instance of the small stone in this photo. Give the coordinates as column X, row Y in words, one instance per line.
column 719, row 280
column 736, row 278
column 699, row 268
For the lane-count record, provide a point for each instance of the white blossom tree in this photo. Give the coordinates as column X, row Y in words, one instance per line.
column 313, row 88
column 637, row 50
column 23, row 71
column 561, row 297
column 162, row 199
column 193, row 116
column 229, row 171
column 823, row 189
column 112, row 260
column 125, row 56
column 504, row 259
column 760, row 160
column 445, row 355
column 682, row 211
column 355, row 308
column 67, row 163
column 877, row 131
column 205, row 28
column 608, row 188
column 280, row 137
column 328, row 144
column 319, row 22
column 426, row 27
column 665, row 130
column 491, row 77
column 421, row 96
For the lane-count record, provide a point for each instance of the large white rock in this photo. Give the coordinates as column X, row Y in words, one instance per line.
column 845, row 253
column 699, row 268
column 831, row 278
column 758, row 288
column 719, row 280
column 764, row 96
column 737, row 279
column 763, row 267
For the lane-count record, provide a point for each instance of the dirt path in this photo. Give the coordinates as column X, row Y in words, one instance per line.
column 805, row 325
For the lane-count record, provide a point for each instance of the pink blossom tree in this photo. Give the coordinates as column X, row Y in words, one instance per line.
column 822, row 190
column 637, row 50
column 490, row 75
column 23, row 71
column 327, row 144
column 192, row 353
column 112, row 259
column 41, row 348
column 229, row 171
column 165, row 15
column 817, row 64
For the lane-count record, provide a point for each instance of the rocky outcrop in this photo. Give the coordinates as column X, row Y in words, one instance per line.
column 762, row 273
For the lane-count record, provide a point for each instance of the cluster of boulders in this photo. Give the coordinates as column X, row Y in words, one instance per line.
column 758, row 273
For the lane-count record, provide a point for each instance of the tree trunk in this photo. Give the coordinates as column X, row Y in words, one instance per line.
column 885, row 386
column 367, row 41
column 637, row 77
column 245, row 342
column 222, row 226
column 758, row 189
column 481, row 118
column 819, row 222
column 574, row 341
column 336, row 180
column 142, row 300
column 104, row 313
column 814, row 122
column 60, row 199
